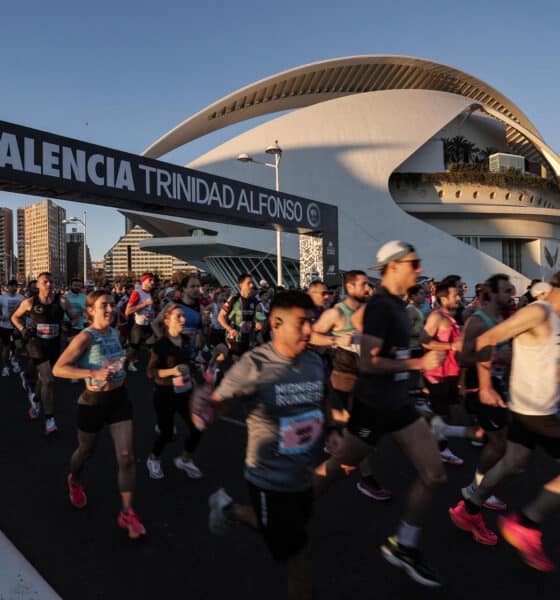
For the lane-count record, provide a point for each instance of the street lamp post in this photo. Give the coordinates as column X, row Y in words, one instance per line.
column 276, row 151
column 84, row 225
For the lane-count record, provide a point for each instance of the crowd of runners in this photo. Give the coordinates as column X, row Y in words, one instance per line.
column 323, row 375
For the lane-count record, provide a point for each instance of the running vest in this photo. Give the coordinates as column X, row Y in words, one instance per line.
column 534, row 372
column 449, row 367
column 105, row 352
column 46, row 318
column 146, row 315
column 193, row 324
column 346, row 357
column 241, row 315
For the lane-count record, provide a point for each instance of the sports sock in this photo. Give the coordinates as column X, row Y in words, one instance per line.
column 408, row 534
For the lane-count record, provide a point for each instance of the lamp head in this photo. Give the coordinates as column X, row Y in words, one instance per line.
column 244, row 158
column 274, row 149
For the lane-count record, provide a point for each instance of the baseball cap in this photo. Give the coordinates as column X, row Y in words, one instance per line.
column 147, row 276
column 542, row 287
column 390, row 252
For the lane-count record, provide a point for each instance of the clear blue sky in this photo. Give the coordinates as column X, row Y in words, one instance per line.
column 122, row 73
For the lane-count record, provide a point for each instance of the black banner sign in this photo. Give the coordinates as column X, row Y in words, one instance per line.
column 44, row 164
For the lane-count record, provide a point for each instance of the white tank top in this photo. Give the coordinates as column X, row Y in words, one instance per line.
column 534, row 372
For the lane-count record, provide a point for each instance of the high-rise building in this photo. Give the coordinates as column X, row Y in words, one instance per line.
column 75, row 255
column 42, row 240
column 126, row 259
column 6, row 244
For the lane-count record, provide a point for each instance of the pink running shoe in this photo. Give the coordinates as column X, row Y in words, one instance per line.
column 76, row 493
column 129, row 520
column 473, row 523
column 526, row 540
column 374, row 490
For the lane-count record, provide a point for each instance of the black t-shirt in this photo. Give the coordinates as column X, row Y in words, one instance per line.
column 386, row 318
column 166, row 355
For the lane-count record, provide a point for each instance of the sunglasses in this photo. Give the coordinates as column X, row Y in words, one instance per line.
column 415, row 263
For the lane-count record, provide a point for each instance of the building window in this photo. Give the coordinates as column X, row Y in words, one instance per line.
column 511, row 253
column 492, row 195
column 520, row 197
column 507, row 195
column 458, row 194
column 475, row 195
column 471, row 240
column 440, row 193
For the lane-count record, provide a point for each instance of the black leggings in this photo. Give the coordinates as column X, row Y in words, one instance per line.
column 166, row 404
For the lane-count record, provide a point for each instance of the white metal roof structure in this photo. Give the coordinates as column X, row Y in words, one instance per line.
column 352, row 123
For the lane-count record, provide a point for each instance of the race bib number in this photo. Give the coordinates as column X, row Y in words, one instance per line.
column 299, row 433
column 47, row 331
column 182, row 384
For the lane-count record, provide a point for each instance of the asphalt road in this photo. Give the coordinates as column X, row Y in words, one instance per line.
column 83, row 554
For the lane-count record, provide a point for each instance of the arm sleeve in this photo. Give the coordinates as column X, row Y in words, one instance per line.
column 240, row 380
column 377, row 319
column 228, row 304
column 134, row 298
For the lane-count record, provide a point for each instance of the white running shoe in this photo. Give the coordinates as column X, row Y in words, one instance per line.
column 189, row 467
column 451, row 459
column 50, row 426
column 154, row 468
column 15, row 367
column 218, row 522
column 23, row 380
column 492, row 503
column 6, row 372
column 132, row 368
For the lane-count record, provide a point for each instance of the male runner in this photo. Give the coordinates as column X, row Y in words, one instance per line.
column 237, row 316
column 141, row 305
column 441, row 332
column 335, row 329
column 382, row 405
column 8, row 304
column 46, row 312
column 534, row 403
column 284, row 383
column 496, row 294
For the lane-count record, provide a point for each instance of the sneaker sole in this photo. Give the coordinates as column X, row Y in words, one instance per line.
column 511, row 541
column 132, row 535
column 410, row 571
column 497, row 508
column 78, row 506
column 469, row 530
column 369, row 494
column 191, row 474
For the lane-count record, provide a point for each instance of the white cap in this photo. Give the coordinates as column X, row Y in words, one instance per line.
column 390, row 252
column 263, row 283
column 542, row 287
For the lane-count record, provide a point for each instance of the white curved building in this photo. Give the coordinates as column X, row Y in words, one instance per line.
column 354, row 127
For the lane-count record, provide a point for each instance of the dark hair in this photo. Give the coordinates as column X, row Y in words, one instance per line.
column 442, row 288
column 555, row 280
column 450, row 280
column 351, row 276
column 493, row 282
column 291, row 299
column 412, row 291
column 13, row 282
column 44, row 273
column 478, row 289
column 185, row 281
column 315, row 284
column 243, row 277
column 76, row 279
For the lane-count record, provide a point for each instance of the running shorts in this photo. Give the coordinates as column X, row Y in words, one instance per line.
column 371, row 424
column 41, row 351
column 444, row 394
column 103, row 408
column 283, row 519
column 490, row 418
column 139, row 335
column 536, row 430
